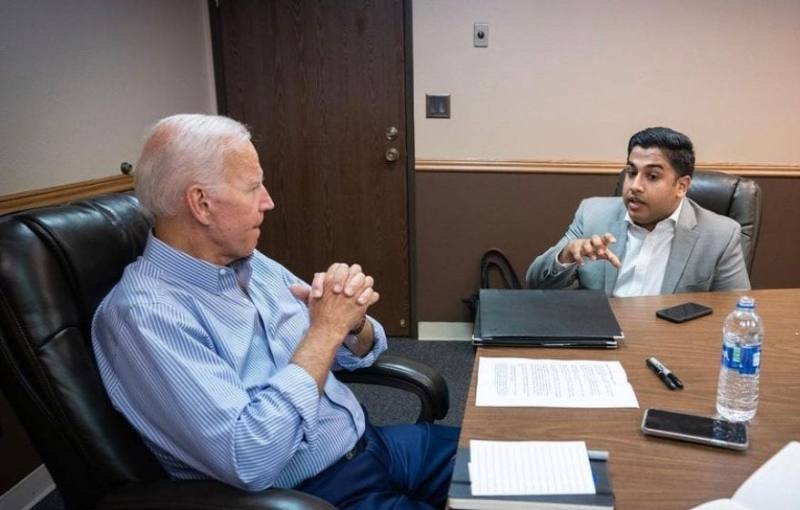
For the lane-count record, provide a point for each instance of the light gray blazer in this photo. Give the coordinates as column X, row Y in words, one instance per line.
column 706, row 252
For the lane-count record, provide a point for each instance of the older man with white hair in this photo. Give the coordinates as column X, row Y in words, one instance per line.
column 221, row 358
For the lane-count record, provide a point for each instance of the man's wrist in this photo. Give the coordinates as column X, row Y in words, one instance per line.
column 361, row 343
column 326, row 335
column 359, row 327
column 564, row 265
column 564, row 256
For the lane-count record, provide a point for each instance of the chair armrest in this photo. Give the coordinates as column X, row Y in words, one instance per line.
column 206, row 495
column 409, row 375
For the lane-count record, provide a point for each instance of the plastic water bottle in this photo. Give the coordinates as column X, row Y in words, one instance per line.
column 742, row 334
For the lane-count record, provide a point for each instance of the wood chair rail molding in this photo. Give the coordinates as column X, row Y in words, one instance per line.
column 83, row 189
column 64, row 193
column 590, row 167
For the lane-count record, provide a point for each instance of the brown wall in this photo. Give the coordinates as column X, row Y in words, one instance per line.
column 461, row 215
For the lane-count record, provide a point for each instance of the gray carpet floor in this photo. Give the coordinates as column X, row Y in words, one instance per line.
column 451, row 359
column 388, row 405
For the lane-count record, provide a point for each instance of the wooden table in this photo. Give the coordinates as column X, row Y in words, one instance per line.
column 655, row 473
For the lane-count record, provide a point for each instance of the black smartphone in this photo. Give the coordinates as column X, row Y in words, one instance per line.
column 684, row 312
column 696, row 429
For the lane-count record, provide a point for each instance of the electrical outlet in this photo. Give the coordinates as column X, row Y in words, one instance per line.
column 437, row 106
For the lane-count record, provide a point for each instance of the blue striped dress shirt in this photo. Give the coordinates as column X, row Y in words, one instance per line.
column 197, row 358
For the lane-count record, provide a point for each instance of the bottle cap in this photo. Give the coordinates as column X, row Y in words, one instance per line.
column 746, row 302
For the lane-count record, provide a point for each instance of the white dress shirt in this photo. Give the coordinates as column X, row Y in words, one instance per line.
column 646, row 256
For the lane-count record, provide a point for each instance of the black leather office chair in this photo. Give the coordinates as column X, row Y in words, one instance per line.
column 737, row 197
column 56, row 264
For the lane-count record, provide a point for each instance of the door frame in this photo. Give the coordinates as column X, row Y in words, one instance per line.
column 215, row 20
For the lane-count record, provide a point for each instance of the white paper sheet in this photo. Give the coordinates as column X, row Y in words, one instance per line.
column 720, row 504
column 519, row 382
column 514, row 468
column 774, row 486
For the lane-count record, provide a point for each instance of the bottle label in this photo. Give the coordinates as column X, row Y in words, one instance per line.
column 745, row 360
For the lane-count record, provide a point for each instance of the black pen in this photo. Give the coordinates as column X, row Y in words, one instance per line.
column 670, row 379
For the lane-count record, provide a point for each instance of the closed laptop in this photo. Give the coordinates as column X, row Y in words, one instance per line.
column 569, row 318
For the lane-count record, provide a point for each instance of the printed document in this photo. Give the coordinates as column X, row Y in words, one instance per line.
column 516, row 468
column 520, row 382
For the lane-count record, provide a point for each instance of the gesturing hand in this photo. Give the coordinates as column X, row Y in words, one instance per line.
column 594, row 248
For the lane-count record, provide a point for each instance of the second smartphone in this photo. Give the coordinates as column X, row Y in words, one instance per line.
column 683, row 312
column 696, row 429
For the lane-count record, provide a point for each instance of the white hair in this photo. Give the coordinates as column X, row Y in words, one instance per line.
column 180, row 151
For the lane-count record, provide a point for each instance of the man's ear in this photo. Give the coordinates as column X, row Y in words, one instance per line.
column 197, row 201
column 683, row 185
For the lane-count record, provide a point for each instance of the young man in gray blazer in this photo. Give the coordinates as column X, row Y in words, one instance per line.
column 653, row 240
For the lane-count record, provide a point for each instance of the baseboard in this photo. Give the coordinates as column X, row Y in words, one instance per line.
column 458, row 331
column 29, row 491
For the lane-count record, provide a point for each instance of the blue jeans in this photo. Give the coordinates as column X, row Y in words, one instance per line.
column 392, row 468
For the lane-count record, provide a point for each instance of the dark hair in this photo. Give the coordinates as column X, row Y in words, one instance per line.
column 676, row 147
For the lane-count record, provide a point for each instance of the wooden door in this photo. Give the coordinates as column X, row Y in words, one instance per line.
column 319, row 83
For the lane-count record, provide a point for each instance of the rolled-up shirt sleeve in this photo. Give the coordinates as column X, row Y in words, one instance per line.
column 347, row 360
column 189, row 402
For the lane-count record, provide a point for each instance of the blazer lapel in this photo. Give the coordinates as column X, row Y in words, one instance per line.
column 620, row 231
column 682, row 246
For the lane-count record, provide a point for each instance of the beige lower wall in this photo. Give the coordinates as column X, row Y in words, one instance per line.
column 461, row 215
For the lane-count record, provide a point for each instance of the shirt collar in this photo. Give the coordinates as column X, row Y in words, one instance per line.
column 192, row 270
column 670, row 220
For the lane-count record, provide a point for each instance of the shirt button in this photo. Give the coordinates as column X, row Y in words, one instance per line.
column 222, row 272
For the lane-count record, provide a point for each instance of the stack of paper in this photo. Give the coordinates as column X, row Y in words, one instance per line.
column 517, row 475
column 529, row 467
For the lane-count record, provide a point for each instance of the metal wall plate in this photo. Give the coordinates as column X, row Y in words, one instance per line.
column 437, row 106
